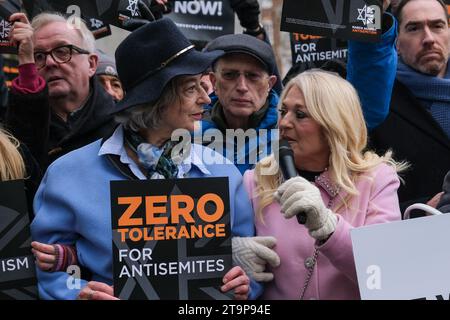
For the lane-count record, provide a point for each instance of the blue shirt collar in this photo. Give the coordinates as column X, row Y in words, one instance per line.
column 114, row 145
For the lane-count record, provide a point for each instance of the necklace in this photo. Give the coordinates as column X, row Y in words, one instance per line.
column 310, row 263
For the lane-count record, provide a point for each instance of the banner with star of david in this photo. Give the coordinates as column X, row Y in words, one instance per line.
column 17, row 268
column 7, row 8
column 171, row 238
column 85, row 9
column 342, row 19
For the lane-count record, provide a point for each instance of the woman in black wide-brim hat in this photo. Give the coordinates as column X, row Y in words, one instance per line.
column 161, row 74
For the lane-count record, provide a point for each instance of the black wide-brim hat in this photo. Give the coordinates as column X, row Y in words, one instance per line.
column 153, row 55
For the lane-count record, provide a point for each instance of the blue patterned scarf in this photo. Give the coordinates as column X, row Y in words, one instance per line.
column 433, row 92
column 156, row 160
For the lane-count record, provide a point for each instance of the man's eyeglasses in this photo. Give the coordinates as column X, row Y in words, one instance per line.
column 61, row 54
column 234, row 75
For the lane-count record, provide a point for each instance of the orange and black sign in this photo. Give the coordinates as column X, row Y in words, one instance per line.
column 310, row 51
column 171, row 238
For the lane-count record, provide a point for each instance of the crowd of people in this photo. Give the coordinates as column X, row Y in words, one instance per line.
column 369, row 138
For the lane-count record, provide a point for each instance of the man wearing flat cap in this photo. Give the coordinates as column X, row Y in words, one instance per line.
column 243, row 97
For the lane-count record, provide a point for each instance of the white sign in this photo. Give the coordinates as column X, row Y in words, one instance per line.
column 405, row 260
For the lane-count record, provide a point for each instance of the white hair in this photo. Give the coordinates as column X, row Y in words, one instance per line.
column 73, row 22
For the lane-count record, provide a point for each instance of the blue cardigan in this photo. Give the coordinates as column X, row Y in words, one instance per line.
column 72, row 206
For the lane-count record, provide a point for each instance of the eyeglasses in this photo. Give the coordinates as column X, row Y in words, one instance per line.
column 61, row 54
column 232, row 75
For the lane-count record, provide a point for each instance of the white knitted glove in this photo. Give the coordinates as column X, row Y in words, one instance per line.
column 252, row 254
column 298, row 195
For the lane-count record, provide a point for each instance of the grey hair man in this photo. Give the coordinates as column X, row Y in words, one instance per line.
column 243, row 97
column 56, row 106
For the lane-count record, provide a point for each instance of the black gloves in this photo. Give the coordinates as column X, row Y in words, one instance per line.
column 247, row 12
column 159, row 10
column 153, row 13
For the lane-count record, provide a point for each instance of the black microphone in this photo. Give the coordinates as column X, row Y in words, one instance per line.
column 287, row 165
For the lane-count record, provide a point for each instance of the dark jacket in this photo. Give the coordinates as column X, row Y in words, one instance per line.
column 30, row 119
column 412, row 133
column 444, row 203
column 33, row 177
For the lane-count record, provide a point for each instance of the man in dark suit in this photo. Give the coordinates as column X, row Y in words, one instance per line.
column 417, row 127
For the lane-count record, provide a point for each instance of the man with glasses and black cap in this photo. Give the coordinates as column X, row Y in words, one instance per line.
column 56, row 105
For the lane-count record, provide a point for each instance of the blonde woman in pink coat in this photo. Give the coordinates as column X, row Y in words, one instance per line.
column 340, row 186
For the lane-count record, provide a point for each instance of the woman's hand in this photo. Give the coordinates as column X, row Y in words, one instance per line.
column 297, row 195
column 253, row 254
column 237, row 280
column 97, row 291
column 45, row 254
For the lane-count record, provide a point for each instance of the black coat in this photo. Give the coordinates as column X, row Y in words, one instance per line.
column 444, row 203
column 412, row 133
column 32, row 178
column 30, row 119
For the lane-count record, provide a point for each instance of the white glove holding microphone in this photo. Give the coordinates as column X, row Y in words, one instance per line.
column 253, row 253
column 298, row 195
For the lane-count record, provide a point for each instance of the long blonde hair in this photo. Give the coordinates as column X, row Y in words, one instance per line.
column 334, row 104
column 12, row 166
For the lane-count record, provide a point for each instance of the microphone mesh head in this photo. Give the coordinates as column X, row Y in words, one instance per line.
column 285, row 149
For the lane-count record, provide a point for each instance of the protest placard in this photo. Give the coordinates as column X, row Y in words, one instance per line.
column 310, row 51
column 203, row 20
column 344, row 19
column 404, row 260
column 17, row 267
column 171, row 238
column 7, row 8
column 85, row 9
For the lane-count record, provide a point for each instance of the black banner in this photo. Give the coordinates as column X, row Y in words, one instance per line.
column 86, row 9
column 7, row 8
column 17, row 268
column 171, row 238
column 203, row 20
column 344, row 19
column 115, row 12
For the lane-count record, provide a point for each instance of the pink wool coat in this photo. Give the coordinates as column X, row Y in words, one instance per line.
column 334, row 275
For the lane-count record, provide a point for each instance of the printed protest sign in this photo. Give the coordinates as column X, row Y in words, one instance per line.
column 86, row 9
column 203, row 20
column 344, row 19
column 171, row 238
column 7, row 8
column 404, row 260
column 17, row 268
column 116, row 11
column 310, row 51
